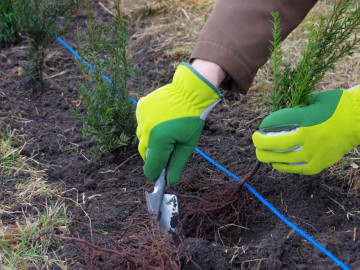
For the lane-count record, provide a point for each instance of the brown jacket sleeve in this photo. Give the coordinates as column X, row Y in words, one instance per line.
column 237, row 33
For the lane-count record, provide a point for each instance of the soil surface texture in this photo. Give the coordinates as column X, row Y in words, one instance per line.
column 106, row 198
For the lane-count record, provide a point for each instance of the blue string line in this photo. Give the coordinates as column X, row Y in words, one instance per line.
column 276, row 212
column 86, row 63
column 270, row 206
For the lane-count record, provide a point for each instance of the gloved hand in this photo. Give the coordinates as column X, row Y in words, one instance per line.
column 308, row 139
column 171, row 119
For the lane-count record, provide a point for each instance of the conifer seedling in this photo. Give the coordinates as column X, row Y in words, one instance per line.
column 329, row 40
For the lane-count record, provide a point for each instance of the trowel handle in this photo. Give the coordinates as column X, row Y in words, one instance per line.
column 160, row 183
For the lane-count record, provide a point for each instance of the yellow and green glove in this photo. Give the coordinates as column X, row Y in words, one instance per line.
column 306, row 140
column 171, row 119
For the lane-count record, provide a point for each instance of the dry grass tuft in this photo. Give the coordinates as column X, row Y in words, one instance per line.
column 13, row 164
column 348, row 170
column 22, row 245
column 26, row 244
column 172, row 25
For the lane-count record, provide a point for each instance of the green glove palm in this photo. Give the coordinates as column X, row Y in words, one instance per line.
column 306, row 140
column 171, row 119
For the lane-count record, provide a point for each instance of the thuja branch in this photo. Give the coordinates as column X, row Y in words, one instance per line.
column 109, row 117
column 41, row 22
column 328, row 41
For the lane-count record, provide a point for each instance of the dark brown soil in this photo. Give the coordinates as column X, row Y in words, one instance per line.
column 217, row 232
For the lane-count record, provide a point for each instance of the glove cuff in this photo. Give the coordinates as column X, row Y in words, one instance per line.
column 194, row 87
column 355, row 95
column 355, row 99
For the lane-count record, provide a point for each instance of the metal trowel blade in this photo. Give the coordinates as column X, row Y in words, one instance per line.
column 165, row 206
column 169, row 219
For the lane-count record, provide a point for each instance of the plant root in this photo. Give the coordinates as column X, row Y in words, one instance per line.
column 206, row 207
column 239, row 184
column 142, row 244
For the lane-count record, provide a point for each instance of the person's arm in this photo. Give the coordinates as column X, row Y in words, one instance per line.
column 237, row 33
column 211, row 71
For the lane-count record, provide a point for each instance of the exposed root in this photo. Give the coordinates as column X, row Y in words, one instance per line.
column 240, row 183
column 206, row 208
column 142, row 244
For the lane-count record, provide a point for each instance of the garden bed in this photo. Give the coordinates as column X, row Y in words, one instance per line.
column 106, row 201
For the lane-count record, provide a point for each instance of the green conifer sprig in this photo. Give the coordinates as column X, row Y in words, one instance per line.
column 109, row 117
column 40, row 21
column 8, row 27
column 329, row 40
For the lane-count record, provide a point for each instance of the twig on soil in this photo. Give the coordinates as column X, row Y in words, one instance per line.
column 185, row 14
column 106, row 9
column 86, row 214
column 135, row 190
column 226, row 226
column 259, row 264
column 77, row 193
column 195, row 264
column 57, row 74
column 126, row 160
column 253, row 260
column 354, row 236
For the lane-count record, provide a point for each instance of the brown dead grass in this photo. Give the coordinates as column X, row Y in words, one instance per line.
column 176, row 25
column 173, row 25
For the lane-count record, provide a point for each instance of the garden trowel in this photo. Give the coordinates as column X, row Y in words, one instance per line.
column 165, row 206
